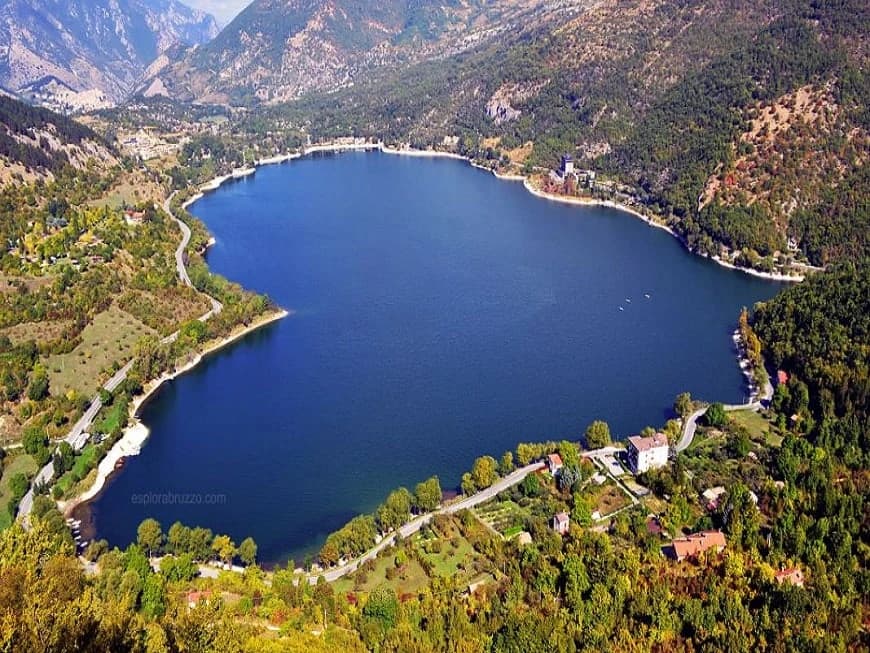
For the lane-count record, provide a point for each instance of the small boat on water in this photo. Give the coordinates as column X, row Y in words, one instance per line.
column 628, row 300
column 621, row 308
column 646, row 294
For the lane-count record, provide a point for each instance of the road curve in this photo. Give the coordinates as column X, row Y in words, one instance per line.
column 416, row 524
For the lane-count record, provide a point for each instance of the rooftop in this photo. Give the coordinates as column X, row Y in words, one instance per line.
column 652, row 442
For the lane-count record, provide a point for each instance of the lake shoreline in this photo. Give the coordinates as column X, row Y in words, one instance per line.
column 218, row 181
column 136, row 433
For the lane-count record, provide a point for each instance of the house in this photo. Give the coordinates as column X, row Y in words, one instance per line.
column 781, row 377
column 792, row 576
column 195, row 596
column 696, row 544
column 567, row 165
column 134, row 217
column 711, row 497
column 554, row 463
column 647, row 453
column 561, row 522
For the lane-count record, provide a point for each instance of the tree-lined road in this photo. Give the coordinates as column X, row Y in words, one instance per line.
column 416, row 524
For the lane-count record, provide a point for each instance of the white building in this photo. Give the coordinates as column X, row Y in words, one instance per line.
column 647, row 453
column 561, row 523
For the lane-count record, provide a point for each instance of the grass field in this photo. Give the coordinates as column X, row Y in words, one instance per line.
column 111, row 337
column 409, row 580
column 15, row 464
column 37, row 331
column 759, row 428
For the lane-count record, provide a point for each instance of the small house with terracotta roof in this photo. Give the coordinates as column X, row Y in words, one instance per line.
column 554, row 463
column 561, row 522
column 195, row 596
column 781, row 377
column 792, row 576
column 697, row 543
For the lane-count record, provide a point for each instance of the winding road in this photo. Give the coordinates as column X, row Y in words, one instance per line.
column 416, row 524
column 690, row 425
column 77, row 437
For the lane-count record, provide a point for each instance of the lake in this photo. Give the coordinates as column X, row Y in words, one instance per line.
column 439, row 314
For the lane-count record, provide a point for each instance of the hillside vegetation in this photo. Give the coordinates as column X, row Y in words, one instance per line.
column 743, row 124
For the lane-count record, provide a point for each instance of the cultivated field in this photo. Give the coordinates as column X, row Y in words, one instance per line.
column 110, row 338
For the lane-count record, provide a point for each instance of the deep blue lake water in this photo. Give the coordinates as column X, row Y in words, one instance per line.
column 440, row 314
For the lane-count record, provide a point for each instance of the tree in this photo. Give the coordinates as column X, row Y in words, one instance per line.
column 569, row 453
column 683, row 404
column 224, row 548
column 598, row 435
column 201, row 540
column 248, row 551
column 506, row 464
column 63, row 458
column 178, row 538
column 35, row 438
column 483, row 472
column 525, row 453
column 427, row 495
column 38, row 388
column 328, row 554
column 149, row 536
column 395, row 510
column 381, row 611
column 154, row 596
column 531, row 486
column 715, row 415
column 581, row 513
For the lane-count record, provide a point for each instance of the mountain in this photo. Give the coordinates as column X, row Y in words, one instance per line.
column 741, row 123
column 277, row 50
column 38, row 143
column 84, row 54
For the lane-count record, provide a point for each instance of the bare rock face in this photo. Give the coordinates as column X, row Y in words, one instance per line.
column 500, row 107
column 83, row 54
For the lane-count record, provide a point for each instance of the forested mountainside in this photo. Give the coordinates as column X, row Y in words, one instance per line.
column 275, row 50
column 73, row 54
column 743, row 123
column 35, row 142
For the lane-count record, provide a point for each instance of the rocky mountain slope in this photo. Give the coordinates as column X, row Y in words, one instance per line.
column 276, row 50
column 84, row 54
column 36, row 143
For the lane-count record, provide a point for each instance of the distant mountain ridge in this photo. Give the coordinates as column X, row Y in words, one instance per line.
column 277, row 50
column 96, row 47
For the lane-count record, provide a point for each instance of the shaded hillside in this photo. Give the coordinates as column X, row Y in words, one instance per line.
column 36, row 141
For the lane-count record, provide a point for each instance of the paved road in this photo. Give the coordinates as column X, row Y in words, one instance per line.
column 180, row 266
column 415, row 525
column 77, row 437
column 691, row 423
